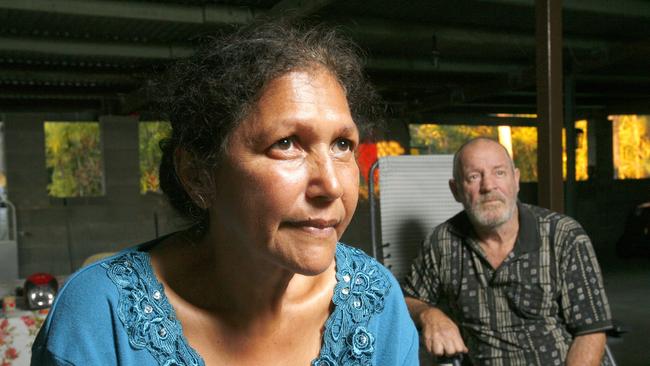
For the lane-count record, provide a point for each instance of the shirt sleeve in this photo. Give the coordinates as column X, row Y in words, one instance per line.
column 397, row 338
column 79, row 328
column 44, row 357
column 583, row 300
column 423, row 281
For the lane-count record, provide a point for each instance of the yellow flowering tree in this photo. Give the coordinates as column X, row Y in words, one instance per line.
column 149, row 136
column 73, row 159
column 631, row 146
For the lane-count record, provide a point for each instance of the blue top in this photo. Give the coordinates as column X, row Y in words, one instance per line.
column 115, row 312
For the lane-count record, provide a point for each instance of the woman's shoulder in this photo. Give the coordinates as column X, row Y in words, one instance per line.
column 354, row 259
column 365, row 277
column 370, row 311
column 352, row 254
column 103, row 278
column 83, row 310
column 88, row 289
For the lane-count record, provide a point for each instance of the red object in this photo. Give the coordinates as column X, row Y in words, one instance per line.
column 41, row 278
column 367, row 157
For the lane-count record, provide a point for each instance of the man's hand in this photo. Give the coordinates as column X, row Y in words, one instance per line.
column 441, row 334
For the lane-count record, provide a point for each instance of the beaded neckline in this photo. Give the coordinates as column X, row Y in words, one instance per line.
column 151, row 323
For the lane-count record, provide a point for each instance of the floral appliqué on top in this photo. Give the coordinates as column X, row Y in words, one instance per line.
column 147, row 315
column 359, row 294
column 151, row 322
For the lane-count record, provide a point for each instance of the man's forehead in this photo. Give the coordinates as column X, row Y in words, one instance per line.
column 482, row 151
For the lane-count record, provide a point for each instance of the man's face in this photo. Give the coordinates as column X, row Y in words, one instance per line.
column 486, row 184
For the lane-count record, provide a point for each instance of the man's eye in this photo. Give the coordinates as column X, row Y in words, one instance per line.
column 501, row 173
column 283, row 144
column 473, row 177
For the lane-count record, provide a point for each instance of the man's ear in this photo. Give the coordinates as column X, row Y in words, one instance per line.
column 453, row 187
column 192, row 177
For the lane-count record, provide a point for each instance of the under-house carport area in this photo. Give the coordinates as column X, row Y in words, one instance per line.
column 564, row 84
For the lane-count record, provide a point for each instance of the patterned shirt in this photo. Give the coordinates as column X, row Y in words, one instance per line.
column 548, row 289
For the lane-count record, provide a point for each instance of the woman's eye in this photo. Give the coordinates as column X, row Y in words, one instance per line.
column 343, row 145
column 283, row 144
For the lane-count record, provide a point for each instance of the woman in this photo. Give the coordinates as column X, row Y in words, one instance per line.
column 261, row 159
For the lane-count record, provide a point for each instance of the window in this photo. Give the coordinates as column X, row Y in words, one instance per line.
column 582, row 154
column 149, row 135
column 631, row 146
column 73, row 159
column 521, row 143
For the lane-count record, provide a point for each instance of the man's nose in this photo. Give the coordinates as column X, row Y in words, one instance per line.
column 324, row 182
column 487, row 183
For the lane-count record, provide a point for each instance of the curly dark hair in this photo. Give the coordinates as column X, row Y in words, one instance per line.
column 208, row 94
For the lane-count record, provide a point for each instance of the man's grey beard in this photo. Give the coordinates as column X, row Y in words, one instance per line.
column 480, row 216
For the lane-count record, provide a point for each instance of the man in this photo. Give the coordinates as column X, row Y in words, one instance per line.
column 520, row 285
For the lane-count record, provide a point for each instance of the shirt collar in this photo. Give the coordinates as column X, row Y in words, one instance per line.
column 528, row 239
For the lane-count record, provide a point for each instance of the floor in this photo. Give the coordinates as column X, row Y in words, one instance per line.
column 627, row 283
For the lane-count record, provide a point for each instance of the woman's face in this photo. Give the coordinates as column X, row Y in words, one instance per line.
column 289, row 184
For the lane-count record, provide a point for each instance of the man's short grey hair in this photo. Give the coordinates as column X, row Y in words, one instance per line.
column 457, row 172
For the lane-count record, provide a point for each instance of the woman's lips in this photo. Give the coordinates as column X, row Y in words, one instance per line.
column 316, row 227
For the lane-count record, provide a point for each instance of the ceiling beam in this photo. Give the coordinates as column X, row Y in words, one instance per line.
column 425, row 65
column 58, row 96
column 59, row 47
column 600, row 94
column 464, row 94
column 605, row 78
column 54, row 77
column 371, row 29
column 628, row 8
column 638, row 106
column 297, row 8
column 82, row 49
column 136, row 10
column 524, row 78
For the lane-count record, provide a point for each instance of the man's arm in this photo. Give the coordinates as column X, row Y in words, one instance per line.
column 586, row 350
column 441, row 334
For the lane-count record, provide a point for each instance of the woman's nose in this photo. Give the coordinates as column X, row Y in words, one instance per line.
column 324, row 182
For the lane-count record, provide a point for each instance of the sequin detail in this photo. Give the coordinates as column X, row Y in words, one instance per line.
column 147, row 316
column 359, row 294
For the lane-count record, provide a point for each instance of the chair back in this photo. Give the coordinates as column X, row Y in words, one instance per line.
column 414, row 197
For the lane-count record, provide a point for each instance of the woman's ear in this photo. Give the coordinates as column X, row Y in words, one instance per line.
column 192, row 177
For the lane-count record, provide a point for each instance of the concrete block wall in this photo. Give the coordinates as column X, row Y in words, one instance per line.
column 56, row 235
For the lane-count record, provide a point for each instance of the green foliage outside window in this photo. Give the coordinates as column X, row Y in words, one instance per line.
column 73, row 159
column 446, row 139
column 524, row 150
column 150, row 134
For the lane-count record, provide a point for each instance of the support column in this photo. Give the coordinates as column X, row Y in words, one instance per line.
column 549, row 103
column 569, row 125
